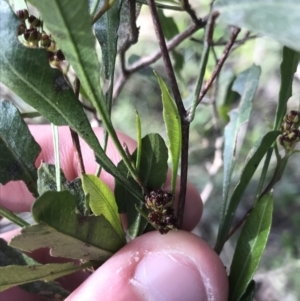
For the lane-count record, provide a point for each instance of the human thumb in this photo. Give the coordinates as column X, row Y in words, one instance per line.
column 178, row 266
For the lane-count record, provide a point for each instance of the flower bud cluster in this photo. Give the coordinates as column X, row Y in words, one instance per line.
column 162, row 215
column 30, row 30
column 290, row 130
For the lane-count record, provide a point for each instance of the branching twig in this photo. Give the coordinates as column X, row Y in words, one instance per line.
column 74, row 135
column 146, row 61
column 178, row 100
column 166, row 57
column 187, row 7
column 233, row 36
column 223, row 43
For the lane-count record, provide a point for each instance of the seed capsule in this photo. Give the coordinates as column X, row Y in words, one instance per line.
column 59, row 56
column 45, row 41
column 32, row 35
column 294, row 116
column 34, row 22
column 21, row 29
column 22, row 14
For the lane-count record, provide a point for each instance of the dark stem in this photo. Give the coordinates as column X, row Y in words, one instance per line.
column 146, row 61
column 166, row 58
column 180, row 107
column 230, row 43
column 185, row 127
column 187, row 7
column 75, row 137
column 239, row 223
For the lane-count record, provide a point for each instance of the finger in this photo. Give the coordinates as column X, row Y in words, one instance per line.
column 16, row 197
column 177, row 266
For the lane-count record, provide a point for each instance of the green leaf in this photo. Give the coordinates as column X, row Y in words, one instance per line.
column 49, row 290
column 173, row 127
column 127, row 203
column 17, row 147
column 153, row 173
column 106, row 29
column 254, row 157
column 250, row 246
column 67, row 233
column 73, row 33
column 245, row 84
column 14, row 275
column 288, row 67
column 102, row 201
column 154, row 161
column 46, row 182
column 22, row 71
column 249, row 293
column 274, row 18
column 226, row 97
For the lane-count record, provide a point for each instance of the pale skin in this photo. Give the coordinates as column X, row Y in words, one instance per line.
column 175, row 266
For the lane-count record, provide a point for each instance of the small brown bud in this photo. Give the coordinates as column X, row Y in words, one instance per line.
column 34, row 22
column 22, row 14
column 32, row 35
column 294, row 116
column 21, row 29
column 45, row 41
column 59, row 56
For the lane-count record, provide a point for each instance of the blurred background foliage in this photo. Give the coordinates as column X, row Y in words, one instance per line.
column 278, row 277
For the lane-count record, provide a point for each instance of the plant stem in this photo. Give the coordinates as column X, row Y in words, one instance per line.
column 230, row 43
column 56, row 156
column 166, row 57
column 94, row 7
column 185, row 130
column 148, row 60
column 187, row 7
column 13, row 217
column 180, row 107
column 104, row 8
column 75, row 137
column 203, row 62
column 163, row 6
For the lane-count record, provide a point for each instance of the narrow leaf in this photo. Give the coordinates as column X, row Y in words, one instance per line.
column 254, row 157
column 73, row 34
column 127, row 204
column 49, row 290
column 245, row 84
column 288, row 67
column 17, row 147
column 46, row 182
column 58, row 211
column 106, row 29
column 249, row 293
column 14, row 275
column 102, row 201
column 60, row 244
column 154, row 161
column 173, row 127
column 250, row 246
column 274, row 18
column 22, row 71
